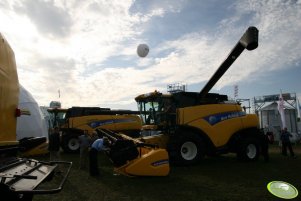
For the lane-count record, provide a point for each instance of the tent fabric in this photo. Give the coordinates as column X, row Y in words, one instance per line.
column 33, row 125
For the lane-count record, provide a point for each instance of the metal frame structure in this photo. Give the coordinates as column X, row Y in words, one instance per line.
column 290, row 100
column 177, row 87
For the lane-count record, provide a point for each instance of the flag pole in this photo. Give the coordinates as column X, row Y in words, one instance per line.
column 281, row 110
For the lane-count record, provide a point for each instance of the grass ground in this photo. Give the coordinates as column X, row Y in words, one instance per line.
column 220, row 178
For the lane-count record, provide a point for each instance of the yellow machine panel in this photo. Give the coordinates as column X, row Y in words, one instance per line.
column 218, row 121
column 189, row 114
column 9, row 92
column 153, row 163
column 20, row 177
column 112, row 122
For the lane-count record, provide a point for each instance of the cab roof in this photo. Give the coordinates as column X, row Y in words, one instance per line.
column 152, row 95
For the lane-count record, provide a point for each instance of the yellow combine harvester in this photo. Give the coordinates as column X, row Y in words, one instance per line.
column 20, row 177
column 76, row 121
column 191, row 125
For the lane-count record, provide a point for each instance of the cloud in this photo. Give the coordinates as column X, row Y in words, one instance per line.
column 70, row 45
column 46, row 76
column 49, row 19
column 197, row 55
column 279, row 31
column 48, row 63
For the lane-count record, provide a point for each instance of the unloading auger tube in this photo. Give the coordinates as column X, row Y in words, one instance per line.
column 248, row 41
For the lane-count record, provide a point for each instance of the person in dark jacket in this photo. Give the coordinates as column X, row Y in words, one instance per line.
column 286, row 143
column 84, row 144
column 54, row 144
column 264, row 146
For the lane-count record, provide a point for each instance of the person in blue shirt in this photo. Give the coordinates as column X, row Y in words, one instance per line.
column 97, row 146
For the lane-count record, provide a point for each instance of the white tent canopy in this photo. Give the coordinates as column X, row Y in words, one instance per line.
column 33, row 125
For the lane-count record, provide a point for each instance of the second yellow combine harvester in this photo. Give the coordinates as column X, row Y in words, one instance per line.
column 76, row 121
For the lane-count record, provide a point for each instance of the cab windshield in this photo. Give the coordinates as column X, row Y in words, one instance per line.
column 56, row 118
column 148, row 111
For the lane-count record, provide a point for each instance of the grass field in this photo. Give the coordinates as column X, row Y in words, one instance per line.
column 220, row 178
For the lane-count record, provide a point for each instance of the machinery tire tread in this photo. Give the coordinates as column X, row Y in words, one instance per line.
column 65, row 143
column 242, row 148
column 175, row 144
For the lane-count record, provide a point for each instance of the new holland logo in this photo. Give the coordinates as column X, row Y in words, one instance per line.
column 216, row 118
column 96, row 124
column 160, row 162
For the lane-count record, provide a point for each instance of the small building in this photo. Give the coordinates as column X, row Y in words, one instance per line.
column 270, row 118
column 266, row 107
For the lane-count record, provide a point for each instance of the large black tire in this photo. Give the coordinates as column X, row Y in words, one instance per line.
column 186, row 148
column 70, row 144
column 248, row 149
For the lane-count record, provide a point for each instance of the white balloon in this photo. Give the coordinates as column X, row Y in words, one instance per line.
column 142, row 50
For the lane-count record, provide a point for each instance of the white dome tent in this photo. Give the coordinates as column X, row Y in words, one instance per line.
column 33, row 125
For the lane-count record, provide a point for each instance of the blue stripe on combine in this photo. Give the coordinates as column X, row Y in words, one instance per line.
column 217, row 118
column 96, row 124
column 160, row 162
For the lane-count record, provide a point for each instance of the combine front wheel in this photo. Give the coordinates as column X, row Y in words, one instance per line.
column 70, row 144
column 248, row 149
column 186, row 149
column 189, row 150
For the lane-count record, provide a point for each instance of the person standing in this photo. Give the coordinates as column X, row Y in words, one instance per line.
column 84, row 144
column 54, row 145
column 97, row 145
column 286, row 143
column 264, row 146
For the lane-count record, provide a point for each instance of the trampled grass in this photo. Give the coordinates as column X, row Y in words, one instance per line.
column 219, row 178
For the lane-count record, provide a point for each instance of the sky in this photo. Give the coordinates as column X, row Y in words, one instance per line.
column 83, row 53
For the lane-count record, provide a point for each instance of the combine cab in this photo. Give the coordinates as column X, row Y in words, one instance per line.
column 21, row 178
